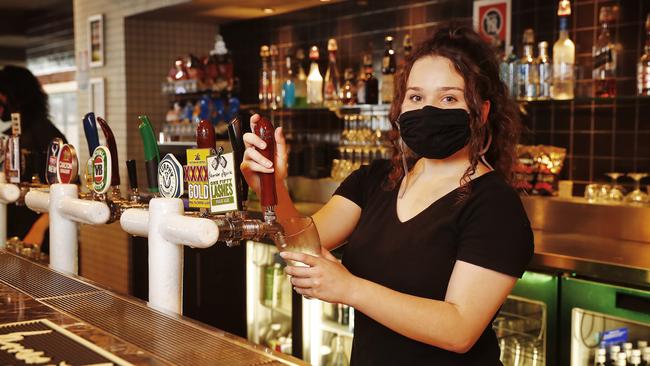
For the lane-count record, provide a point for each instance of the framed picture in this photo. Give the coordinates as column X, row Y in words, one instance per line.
column 96, row 40
column 96, row 96
column 492, row 21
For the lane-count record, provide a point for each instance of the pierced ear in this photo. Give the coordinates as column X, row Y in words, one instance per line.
column 485, row 111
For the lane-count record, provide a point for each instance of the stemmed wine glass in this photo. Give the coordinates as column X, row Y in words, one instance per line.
column 637, row 196
column 616, row 193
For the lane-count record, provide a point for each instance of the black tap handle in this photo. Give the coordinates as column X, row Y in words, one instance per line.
column 133, row 174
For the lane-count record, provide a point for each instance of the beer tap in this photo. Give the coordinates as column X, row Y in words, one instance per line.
column 92, row 139
column 151, row 154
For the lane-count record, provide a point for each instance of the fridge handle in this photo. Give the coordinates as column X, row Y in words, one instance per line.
column 633, row 302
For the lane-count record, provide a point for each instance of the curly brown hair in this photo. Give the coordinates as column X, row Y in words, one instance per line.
column 476, row 61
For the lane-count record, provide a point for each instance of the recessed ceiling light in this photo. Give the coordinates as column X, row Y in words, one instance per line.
column 268, row 10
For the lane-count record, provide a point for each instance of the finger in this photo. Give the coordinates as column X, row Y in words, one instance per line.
column 251, row 139
column 304, row 282
column 296, row 271
column 307, row 259
column 306, row 292
column 253, row 166
column 253, row 121
column 251, row 154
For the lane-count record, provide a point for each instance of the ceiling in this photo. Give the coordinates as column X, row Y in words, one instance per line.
column 230, row 10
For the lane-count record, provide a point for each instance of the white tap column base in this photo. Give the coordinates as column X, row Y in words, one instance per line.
column 63, row 232
column 165, row 257
column 9, row 193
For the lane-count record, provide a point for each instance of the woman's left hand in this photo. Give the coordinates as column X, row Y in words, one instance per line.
column 325, row 278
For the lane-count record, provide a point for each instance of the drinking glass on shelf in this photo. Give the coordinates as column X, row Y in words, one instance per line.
column 637, row 196
column 616, row 194
column 592, row 192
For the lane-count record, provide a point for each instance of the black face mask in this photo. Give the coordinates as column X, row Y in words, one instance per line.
column 435, row 133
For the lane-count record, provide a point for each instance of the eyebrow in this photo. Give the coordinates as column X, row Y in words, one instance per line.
column 440, row 89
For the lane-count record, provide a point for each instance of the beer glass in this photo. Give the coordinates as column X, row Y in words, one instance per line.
column 300, row 235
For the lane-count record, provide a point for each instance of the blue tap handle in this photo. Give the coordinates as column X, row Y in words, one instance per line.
column 90, row 129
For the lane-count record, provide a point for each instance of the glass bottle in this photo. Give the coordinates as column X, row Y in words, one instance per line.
column 564, row 54
column 289, row 86
column 301, row 79
column 349, row 90
column 544, row 71
column 332, row 76
column 604, row 54
column 338, row 357
column 408, row 48
column 314, row 79
column 643, row 67
column 527, row 78
column 265, row 78
column 361, row 83
column 508, row 70
column 388, row 66
column 276, row 86
column 371, row 83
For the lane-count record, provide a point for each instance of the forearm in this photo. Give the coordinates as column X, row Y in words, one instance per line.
column 433, row 322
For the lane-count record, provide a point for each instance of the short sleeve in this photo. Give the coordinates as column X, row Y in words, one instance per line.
column 363, row 181
column 495, row 232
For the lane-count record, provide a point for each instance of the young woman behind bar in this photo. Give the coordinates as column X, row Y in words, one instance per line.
column 436, row 238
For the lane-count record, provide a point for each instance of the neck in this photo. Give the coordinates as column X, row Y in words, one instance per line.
column 451, row 167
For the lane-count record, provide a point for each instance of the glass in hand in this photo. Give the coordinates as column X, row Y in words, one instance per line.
column 637, row 196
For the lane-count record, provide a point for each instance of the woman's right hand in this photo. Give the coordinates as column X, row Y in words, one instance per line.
column 255, row 163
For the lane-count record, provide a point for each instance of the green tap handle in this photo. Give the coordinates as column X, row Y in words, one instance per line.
column 151, row 152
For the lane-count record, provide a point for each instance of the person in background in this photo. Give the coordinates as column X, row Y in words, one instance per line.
column 436, row 237
column 21, row 92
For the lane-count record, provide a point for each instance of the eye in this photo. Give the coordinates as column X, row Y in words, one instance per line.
column 448, row 99
column 415, row 98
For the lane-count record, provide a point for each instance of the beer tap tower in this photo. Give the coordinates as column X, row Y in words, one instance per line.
column 168, row 227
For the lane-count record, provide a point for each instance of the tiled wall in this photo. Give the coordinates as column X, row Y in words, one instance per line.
column 599, row 136
column 104, row 249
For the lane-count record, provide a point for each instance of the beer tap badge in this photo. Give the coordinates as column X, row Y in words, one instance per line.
column 170, row 177
column 196, row 174
column 68, row 165
column 101, row 161
column 12, row 161
column 16, row 129
column 222, row 181
column 52, row 160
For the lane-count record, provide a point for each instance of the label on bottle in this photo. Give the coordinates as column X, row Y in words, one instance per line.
column 385, row 62
column 563, row 71
column 387, row 88
column 528, row 81
column 545, row 80
column 67, row 165
column 223, row 183
column 196, row 175
column 604, row 59
column 170, row 177
column 614, row 336
column 101, row 161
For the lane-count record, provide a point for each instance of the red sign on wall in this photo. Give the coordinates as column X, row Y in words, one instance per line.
column 492, row 21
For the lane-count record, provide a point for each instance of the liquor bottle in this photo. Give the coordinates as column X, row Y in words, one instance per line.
column 527, row 77
column 276, row 86
column 301, row 79
column 564, row 54
column 544, row 71
column 605, row 57
column 388, row 66
column 621, row 359
column 361, row 83
column 643, row 67
column 289, row 86
column 614, row 350
column 508, row 70
column 265, row 78
column 408, row 47
column 371, row 84
column 314, row 79
column 349, row 90
column 627, row 349
column 635, row 357
column 600, row 361
column 332, row 76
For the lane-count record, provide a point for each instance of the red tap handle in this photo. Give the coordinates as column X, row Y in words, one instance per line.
column 112, row 147
column 205, row 135
column 264, row 129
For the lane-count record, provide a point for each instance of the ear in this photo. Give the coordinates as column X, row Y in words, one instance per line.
column 485, row 111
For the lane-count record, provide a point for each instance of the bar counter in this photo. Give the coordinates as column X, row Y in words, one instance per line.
column 121, row 325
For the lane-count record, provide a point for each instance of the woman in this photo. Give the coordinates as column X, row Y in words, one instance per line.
column 431, row 254
column 21, row 92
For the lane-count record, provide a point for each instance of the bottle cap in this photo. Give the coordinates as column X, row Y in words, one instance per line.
column 331, row 45
column 313, row 53
column 264, row 51
column 564, row 8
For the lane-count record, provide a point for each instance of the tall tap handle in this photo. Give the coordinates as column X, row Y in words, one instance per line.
column 151, row 153
column 205, row 138
column 90, row 130
column 112, row 147
column 264, row 129
column 133, row 174
column 236, row 140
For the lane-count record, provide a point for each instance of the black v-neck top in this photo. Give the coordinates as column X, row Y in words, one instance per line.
column 488, row 228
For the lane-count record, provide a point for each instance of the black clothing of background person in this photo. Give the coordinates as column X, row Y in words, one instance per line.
column 488, row 229
column 21, row 92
